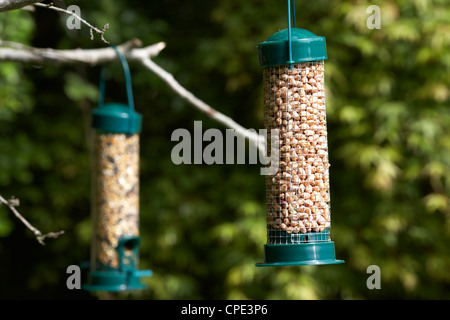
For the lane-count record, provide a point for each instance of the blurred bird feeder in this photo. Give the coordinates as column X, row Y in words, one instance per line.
column 115, row 206
column 298, row 198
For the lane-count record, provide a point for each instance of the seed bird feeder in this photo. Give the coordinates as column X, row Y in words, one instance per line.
column 297, row 196
column 115, row 206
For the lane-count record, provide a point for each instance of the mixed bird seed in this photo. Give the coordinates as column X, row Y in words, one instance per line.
column 116, row 188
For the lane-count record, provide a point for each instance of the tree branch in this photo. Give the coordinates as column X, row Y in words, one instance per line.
column 202, row 106
column 15, row 52
column 8, row 5
column 11, row 204
column 10, row 51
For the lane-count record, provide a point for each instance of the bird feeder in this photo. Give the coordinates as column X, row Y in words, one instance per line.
column 297, row 196
column 115, row 207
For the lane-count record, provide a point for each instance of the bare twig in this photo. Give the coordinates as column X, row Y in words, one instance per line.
column 11, row 51
column 91, row 27
column 202, row 106
column 42, row 237
column 11, row 204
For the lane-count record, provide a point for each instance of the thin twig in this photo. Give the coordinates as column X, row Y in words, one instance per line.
column 10, row 51
column 91, row 27
column 11, row 204
column 168, row 78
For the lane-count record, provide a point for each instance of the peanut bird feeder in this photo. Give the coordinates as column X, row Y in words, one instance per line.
column 297, row 196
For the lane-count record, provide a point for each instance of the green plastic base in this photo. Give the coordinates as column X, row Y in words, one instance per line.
column 115, row 281
column 282, row 255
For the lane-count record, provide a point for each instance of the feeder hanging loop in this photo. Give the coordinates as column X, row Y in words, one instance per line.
column 290, row 61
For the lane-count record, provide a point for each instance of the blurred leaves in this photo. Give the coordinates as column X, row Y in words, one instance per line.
column 77, row 88
column 14, row 87
column 6, row 224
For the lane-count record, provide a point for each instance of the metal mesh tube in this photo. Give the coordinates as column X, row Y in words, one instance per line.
column 116, row 195
column 298, row 198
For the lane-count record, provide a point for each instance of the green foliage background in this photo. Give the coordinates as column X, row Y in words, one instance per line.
column 203, row 227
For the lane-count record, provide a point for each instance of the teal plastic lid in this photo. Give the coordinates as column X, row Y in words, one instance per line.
column 117, row 118
column 305, row 46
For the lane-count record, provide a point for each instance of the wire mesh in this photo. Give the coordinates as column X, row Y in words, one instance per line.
column 297, row 196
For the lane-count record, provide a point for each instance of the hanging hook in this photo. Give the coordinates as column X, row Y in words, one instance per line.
column 126, row 71
column 291, row 5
